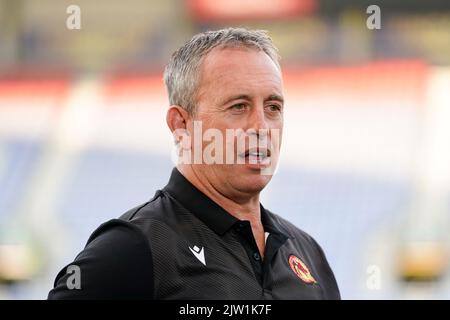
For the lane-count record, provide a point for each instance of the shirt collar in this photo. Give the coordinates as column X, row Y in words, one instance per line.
column 209, row 212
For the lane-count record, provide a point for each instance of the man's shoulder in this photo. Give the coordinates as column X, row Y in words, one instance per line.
column 161, row 215
column 150, row 208
column 294, row 232
column 129, row 223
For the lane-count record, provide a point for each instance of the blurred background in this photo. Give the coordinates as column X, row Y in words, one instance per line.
column 365, row 163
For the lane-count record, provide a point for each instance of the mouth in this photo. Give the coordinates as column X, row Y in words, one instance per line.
column 256, row 156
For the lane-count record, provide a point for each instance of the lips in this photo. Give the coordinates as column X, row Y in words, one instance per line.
column 257, row 152
column 256, row 156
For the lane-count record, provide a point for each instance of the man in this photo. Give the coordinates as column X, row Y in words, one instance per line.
column 206, row 235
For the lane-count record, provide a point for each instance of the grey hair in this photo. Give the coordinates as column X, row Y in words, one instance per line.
column 182, row 73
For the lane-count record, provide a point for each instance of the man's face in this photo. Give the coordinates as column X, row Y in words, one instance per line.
column 240, row 89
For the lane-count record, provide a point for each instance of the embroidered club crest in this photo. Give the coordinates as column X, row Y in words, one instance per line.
column 301, row 270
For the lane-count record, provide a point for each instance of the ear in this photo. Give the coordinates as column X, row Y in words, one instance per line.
column 177, row 118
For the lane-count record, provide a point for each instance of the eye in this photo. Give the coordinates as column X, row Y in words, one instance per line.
column 274, row 108
column 238, row 107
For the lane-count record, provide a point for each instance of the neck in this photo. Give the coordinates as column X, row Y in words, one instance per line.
column 240, row 205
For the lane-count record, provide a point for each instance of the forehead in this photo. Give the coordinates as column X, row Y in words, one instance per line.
column 239, row 70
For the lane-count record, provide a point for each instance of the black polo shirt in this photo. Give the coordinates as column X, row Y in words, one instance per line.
column 182, row 245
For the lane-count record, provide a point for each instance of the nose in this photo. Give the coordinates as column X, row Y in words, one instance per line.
column 258, row 122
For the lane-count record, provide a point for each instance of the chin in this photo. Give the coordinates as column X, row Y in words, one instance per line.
column 252, row 181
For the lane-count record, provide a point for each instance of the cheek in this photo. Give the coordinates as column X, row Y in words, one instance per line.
column 215, row 121
column 281, row 135
column 276, row 134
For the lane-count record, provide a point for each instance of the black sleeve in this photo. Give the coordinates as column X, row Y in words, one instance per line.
column 115, row 264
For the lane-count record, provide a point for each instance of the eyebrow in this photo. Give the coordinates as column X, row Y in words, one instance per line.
column 275, row 97
column 272, row 97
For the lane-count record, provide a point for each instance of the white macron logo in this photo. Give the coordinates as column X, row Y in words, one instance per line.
column 199, row 254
